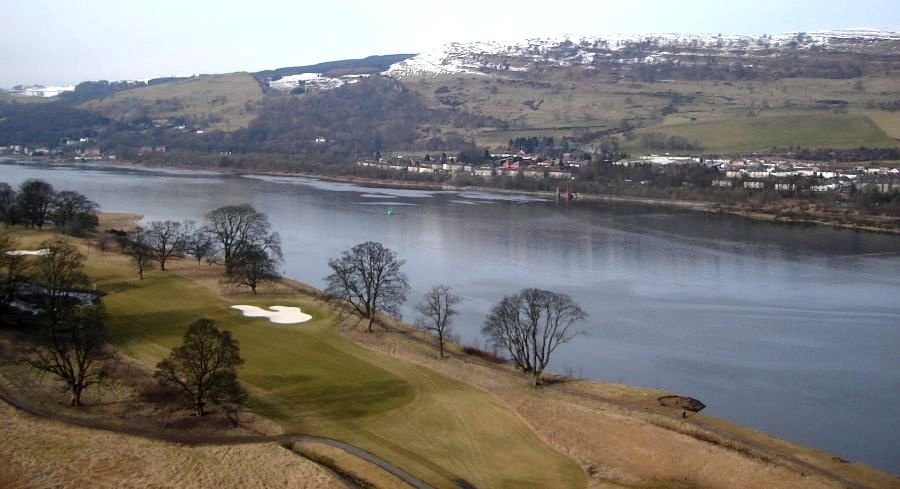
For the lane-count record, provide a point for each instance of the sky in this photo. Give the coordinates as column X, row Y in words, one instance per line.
column 56, row 42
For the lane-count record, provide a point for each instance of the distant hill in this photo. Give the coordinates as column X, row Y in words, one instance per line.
column 209, row 102
column 678, row 93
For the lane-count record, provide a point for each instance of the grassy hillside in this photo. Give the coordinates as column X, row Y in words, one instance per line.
column 762, row 133
column 580, row 104
column 219, row 102
column 310, row 380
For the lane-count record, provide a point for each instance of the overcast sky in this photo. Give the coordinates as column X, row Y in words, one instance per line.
column 64, row 41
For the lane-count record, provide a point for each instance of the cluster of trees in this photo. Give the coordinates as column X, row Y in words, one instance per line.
column 69, row 336
column 37, row 203
column 239, row 235
column 529, row 325
column 532, row 144
column 46, row 124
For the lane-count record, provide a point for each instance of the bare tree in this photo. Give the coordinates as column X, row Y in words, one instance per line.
column 198, row 242
column 34, row 199
column 436, row 312
column 368, row 276
column 237, row 227
column 12, row 267
column 15, row 271
column 530, row 326
column 204, row 368
column 253, row 267
column 7, row 204
column 139, row 248
column 72, row 350
column 59, row 272
column 73, row 213
column 166, row 238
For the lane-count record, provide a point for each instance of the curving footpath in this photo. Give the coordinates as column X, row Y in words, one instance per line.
column 195, row 439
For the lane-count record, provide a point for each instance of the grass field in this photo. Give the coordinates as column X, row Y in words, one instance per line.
column 310, row 380
column 227, row 101
column 764, row 132
column 889, row 122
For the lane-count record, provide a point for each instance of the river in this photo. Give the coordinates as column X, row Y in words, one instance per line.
column 793, row 330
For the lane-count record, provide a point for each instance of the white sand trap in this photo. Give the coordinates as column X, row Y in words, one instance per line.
column 42, row 252
column 276, row 314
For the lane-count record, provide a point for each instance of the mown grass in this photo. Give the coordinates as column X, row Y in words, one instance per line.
column 310, row 380
column 889, row 122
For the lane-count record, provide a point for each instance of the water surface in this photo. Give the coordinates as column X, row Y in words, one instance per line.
column 789, row 329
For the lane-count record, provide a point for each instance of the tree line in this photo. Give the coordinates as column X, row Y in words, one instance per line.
column 36, row 203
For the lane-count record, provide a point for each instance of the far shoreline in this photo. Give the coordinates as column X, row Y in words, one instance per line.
column 693, row 205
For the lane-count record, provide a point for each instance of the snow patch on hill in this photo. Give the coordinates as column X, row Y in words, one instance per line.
column 312, row 81
column 566, row 50
column 40, row 91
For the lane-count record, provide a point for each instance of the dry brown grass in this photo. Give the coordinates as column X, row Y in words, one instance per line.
column 229, row 101
column 623, row 438
column 124, row 221
column 37, row 453
column 585, row 102
column 357, row 468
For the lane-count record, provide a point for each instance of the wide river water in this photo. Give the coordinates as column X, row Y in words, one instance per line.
column 792, row 330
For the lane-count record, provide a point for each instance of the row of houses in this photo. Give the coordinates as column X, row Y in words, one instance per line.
column 507, row 167
column 881, row 183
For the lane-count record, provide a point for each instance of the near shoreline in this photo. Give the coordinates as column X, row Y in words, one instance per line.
column 619, row 435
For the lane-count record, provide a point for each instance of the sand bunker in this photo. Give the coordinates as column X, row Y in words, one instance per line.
column 42, row 252
column 276, row 314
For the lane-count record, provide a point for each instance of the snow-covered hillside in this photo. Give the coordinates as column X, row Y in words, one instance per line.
column 476, row 57
column 40, row 91
column 312, row 81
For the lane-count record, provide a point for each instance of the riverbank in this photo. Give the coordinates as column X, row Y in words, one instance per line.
column 619, row 435
column 783, row 213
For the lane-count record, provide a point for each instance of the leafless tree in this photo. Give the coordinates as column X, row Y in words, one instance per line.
column 166, row 238
column 436, row 312
column 530, row 326
column 13, row 269
column 253, row 267
column 59, row 272
column 73, row 213
column 237, row 227
column 72, row 350
column 368, row 277
column 34, row 200
column 140, row 249
column 204, row 368
column 7, row 203
column 198, row 242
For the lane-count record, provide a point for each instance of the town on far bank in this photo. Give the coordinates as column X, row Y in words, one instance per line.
column 538, row 160
column 753, row 173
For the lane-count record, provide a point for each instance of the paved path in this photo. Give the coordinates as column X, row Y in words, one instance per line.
column 14, row 400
